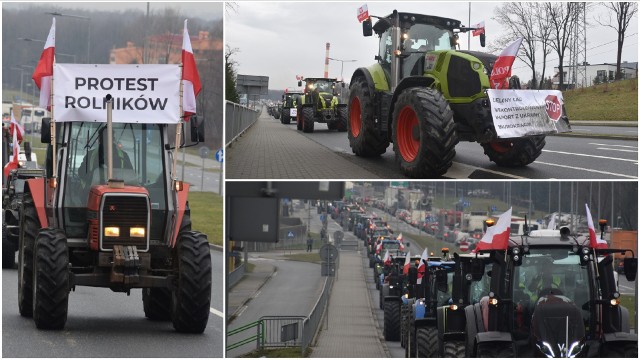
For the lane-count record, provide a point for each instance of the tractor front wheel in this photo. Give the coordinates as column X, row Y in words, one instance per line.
column 364, row 139
column 192, row 298
column 29, row 225
column 51, row 279
column 299, row 119
column 427, row 342
column 392, row 320
column 424, row 135
column 343, row 115
column 8, row 251
column 286, row 119
column 157, row 303
column 515, row 152
column 308, row 119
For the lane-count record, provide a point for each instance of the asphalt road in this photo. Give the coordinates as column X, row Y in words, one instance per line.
column 102, row 323
column 291, row 291
column 562, row 157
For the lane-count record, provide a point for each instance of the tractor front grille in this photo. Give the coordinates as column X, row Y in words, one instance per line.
column 125, row 211
column 463, row 81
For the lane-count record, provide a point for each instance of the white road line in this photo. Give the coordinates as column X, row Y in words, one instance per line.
column 216, row 312
column 257, row 294
column 591, row 156
column 621, row 150
column 275, row 273
column 622, row 146
column 584, row 169
column 626, row 287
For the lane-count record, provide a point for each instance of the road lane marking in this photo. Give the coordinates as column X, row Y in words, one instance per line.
column 588, row 170
column 626, row 287
column 256, row 294
column 622, row 146
column 621, row 150
column 216, row 312
column 591, row 156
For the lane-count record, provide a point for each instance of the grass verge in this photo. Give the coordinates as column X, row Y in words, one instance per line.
column 312, row 257
column 206, row 214
column 611, row 101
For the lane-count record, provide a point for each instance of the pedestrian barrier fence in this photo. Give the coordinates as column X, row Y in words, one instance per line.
column 236, row 275
column 258, row 326
column 238, row 118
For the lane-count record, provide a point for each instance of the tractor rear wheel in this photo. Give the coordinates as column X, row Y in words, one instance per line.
column 29, row 225
column 8, row 251
column 308, row 119
column 192, row 298
column 299, row 119
column 515, row 152
column 454, row 349
column 424, row 133
column 392, row 320
column 51, row 279
column 364, row 139
column 343, row 115
column 286, row 119
column 427, row 342
column 157, row 303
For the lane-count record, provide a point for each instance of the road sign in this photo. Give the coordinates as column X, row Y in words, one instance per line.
column 204, row 152
column 553, row 107
column 494, row 208
column 466, row 204
column 220, row 155
column 328, row 253
column 290, row 234
column 464, row 246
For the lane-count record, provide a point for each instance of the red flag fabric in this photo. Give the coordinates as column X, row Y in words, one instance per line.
column 190, row 78
column 502, row 68
column 480, row 28
column 16, row 127
column 43, row 73
column 497, row 236
column 595, row 241
column 407, row 263
column 379, row 247
column 387, row 258
column 13, row 164
column 422, row 267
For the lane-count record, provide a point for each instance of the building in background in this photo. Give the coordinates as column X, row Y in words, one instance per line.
column 595, row 74
column 166, row 49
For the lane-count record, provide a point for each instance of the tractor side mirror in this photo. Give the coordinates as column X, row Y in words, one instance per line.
column 45, row 130
column 367, row 28
column 27, row 150
column 197, row 129
column 482, row 40
column 343, row 84
column 299, row 83
column 630, row 266
column 408, row 244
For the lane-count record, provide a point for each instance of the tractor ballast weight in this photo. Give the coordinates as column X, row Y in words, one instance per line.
column 319, row 103
column 424, row 96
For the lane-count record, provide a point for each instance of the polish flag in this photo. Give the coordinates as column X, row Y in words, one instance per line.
column 594, row 241
column 497, row 236
column 479, row 27
column 502, row 68
column 387, row 258
column 16, row 127
column 422, row 267
column 13, row 164
column 43, row 73
column 190, row 79
column 407, row 263
column 379, row 247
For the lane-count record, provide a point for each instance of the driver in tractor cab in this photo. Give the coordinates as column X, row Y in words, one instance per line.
column 96, row 158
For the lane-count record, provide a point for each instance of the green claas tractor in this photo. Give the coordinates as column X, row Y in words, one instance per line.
column 424, row 96
column 288, row 109
column 319, row 103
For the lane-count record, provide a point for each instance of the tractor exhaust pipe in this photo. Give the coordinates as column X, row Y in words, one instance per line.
column 112, row 183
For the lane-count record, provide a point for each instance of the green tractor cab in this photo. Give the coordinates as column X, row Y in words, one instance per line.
column 320, row 103
column 288, row 109
column 424, row 96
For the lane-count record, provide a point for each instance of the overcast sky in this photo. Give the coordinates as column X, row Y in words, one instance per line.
column 285, row 39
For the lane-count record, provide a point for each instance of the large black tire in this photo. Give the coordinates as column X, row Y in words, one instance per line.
column 392, row 320
column 286, row 119
column 308, row 119
column 515, row 152
column 299, row 119
column 157, row 303
column 364, row 139
column 343, row 115
column 192, row 298
column 51, row 279
column 8, row 250
column 620, row 350
column 424, row 133
column 454, row 349
column 427, row 342
column 29, row 226
column 380, row 299
column 494, row 350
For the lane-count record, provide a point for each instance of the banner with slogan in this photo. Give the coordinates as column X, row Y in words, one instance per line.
column 518, row 113
column 141, row 93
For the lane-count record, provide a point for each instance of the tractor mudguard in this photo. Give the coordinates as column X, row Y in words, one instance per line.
column 182, row 205
column 425, row 322
column 36, row 187
column 450, row 321
column 393, row 298
column 374, row 76
column 493, row 336
column 624, row 320
column 453, row 336
column 620, row 336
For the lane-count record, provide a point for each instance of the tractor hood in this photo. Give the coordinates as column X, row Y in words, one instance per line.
column 487, row 59
column 557, row 327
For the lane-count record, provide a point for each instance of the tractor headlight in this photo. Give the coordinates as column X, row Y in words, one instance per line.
column 137, row 232
column 111, row 231
column 546, row 349
column 575, row 349
column 585, row 251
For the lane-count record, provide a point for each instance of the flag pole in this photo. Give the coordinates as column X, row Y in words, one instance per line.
column 178, row 129
column 52, row 125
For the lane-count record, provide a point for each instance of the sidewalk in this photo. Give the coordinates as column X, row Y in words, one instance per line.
column 351, row 332
column 248, row 287
column 267, row 148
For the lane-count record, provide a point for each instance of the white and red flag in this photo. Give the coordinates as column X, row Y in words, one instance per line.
column 423, row 266
column 363, row 13
column 400, row 238
column 497, row 236
column 479, row 28
column 595, row 241
column 43, row 73
column 407, row 263
column 190, row 78
column 379, row 247
column 16, row 127
column 387, row 258
column 502, row 68
column 13, row 164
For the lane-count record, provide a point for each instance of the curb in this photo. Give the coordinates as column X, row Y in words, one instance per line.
column 381, row 341
column 266, row 280
column 216, row 247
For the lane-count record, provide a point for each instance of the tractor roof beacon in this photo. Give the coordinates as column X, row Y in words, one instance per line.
column 111, row 213
column 319, row 103
column 424, row 96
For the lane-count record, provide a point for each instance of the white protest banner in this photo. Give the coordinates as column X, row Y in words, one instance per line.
column 141, row 93
column 518, row 113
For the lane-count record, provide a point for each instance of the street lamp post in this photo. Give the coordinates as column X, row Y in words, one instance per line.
column 342, row 65
column 88, row 20
column 21, row 74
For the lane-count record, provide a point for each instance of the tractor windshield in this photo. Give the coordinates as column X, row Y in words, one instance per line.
column 322, row 86
column 420, row 39
column 137, row 160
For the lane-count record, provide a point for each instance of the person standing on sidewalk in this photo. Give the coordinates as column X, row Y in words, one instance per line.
column 309, row 242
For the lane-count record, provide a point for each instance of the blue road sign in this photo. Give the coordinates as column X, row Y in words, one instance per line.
column 493, row 208
column 220, row 155
column 290, row 234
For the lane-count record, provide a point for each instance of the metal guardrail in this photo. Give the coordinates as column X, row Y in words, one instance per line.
column 313, row 322
column 258, row 337
column 283, row 331
column 236, row 275
column 238, row 119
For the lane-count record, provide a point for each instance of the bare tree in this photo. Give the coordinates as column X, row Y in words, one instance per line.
column 543, row 30
column 562, row 17
column 624, row 12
